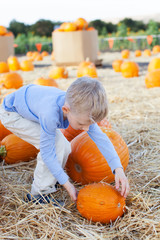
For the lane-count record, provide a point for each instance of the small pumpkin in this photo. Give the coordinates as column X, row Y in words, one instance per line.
column 147, row 53
column 29, row 54
column 129, row 69
column 81, row 24
column 152, row 79
column 116, row 64
column 154, row 64
column 14, row 150
column 156, row 49
column 3, row 131
column 100, row 202
column 70, row 27
column 137, row 53
column 9, row 34
column 13, row 63
column 90, row 29
column 3, row 30
column 86, row 164
column 39, row 57
column 87, row 68
column 4, row 67
column 27, row 65
column 44, row 53
column 125, row 53
column 58, row 72
column 11, row 80
column 46, row 82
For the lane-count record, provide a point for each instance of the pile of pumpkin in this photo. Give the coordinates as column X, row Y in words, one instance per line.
column 79, row 25
column 131, row 69
column 4, row 32
column 36, row 56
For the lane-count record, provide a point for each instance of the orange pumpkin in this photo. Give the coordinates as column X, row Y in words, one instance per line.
column 58, row 30
column 44, row 53
column 11, row 80
column 129, row 69
column 125, row 53
column 90, row 29
column 27, row 65
column 3, row 131
column 39, row 57
column 29, row 54
column 100, row 202
column 70, row 133
column 156, row 49
column 9, row 34
column 69, row 27
column 58, row 72
column 87, row 68
column 86, row 164
column 14, row 150
column 3, row 30
column 13, row 63
column 46, row 82
column 117, row 65
column 147, row 52
column 137, row 53
column 81, row 24
column 154, row 64
column 4, row 67
column 62, row 26
column 152, row 79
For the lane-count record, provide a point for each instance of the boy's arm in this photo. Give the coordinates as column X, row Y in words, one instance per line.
column 105, row 146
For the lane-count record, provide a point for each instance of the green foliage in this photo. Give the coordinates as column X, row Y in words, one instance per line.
column 104, row 31
column 122, row 30
column 18, row 27
column 133, row 25
column 42, row 28
column 101, row 25
column 152, row 28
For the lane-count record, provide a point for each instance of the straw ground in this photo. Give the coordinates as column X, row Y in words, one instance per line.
column 135, row 114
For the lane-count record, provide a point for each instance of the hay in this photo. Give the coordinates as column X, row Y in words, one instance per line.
column 135, row 114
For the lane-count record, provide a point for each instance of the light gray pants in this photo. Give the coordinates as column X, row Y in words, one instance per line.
column 44, row 181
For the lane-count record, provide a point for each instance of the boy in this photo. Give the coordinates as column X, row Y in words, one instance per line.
column 36, row 113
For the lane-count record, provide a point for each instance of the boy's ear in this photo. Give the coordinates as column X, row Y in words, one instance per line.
column 65, row 109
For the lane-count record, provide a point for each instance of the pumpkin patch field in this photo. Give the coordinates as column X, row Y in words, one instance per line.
column 134, row 117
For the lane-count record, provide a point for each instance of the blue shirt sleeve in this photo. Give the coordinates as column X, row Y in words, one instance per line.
column 105, row 146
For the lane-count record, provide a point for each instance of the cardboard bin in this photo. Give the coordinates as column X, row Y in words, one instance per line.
column 71, row 48
column 6, row 47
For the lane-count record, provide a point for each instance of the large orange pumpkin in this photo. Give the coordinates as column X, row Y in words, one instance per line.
column 3, row 131
column 156, row 49
column 86, row 164
column 46, row 82
column 27, row 65
column 129, row 69
column 3, row 30
column 87, row 68
column 81, row 24
column 152, row 79
column 13, row 63
column 137, row 53
column 147, row 52
column 4, row 67
column 125, row 53
column 116, row 64
column 44, row 53
column 13, row 150
column 100, row 202
column 11, row 80
column 154, row 64
column 58, row 72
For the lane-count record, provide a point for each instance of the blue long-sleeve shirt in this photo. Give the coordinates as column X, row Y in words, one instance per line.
column 44, row 105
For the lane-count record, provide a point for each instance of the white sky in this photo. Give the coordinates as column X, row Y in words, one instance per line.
column 31, row 11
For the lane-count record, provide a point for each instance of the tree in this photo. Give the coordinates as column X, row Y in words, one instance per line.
column 122, row 30
column 43, row 28
column 18, row 27
column 152, row 28
column 134, row 26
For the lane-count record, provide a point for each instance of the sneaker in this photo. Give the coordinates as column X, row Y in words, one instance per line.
column 43, row 199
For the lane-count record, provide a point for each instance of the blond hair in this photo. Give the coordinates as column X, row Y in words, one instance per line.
column 87, row 95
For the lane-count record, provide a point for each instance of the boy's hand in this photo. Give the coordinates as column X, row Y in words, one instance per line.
column 71, row 190
column 120, row 177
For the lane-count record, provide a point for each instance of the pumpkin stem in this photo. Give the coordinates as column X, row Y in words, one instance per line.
column 3, row 151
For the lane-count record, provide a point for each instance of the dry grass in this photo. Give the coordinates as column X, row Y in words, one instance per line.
column 135, row 114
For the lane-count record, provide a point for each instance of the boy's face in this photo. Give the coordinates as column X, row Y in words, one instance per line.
column 79, row 121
